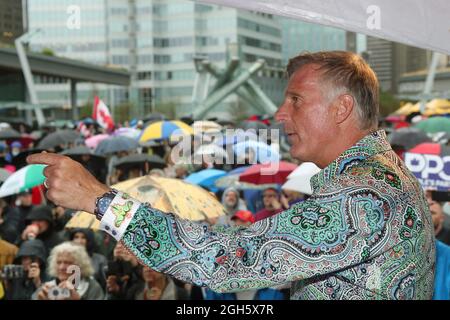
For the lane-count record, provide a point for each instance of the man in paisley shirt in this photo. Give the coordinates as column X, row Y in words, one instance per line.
column 365, row 232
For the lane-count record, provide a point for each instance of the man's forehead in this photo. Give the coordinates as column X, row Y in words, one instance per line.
column 306, row 76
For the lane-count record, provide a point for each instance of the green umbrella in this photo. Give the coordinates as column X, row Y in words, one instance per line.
column 434, row 124
column 26, row 178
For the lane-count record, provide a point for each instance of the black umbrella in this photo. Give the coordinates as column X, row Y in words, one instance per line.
column 116, row 144
column 153, row 117
column 96, row 164
column 134, row 160
column 59, row 137
column 408, row 137
column 9, row 133
column 79, row 151
column 20, row 160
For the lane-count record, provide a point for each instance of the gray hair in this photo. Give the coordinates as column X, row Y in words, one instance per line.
column 346, row 72
column 79, row 255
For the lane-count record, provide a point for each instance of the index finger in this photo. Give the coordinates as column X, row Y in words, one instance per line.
column 44, row 158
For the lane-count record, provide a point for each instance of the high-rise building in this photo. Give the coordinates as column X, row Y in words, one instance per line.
column 12, row 20
column 390, row 60
column 299, row 36
column 156, row 40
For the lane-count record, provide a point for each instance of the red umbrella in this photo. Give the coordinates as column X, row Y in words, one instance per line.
column 431, row 148
column 273, row 172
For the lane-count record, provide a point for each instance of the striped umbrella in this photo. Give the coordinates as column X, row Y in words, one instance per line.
column 165, row 130
column 26, row 178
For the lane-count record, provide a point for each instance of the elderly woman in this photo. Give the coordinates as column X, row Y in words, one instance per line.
column 64, row 263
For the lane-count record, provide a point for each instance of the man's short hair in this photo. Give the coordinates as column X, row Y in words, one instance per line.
column 346, row 71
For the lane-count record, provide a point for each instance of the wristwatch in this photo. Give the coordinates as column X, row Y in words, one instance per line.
column 102, row 203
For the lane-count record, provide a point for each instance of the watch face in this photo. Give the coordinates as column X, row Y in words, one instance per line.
column 104, row 202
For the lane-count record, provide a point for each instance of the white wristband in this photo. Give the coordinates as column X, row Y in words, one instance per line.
column 119, row 215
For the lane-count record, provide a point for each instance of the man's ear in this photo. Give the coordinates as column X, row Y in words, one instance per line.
column 344, row 105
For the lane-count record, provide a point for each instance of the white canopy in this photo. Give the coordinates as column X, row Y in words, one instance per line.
column 419, row 23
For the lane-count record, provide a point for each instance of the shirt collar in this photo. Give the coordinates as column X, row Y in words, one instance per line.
column 367, row 147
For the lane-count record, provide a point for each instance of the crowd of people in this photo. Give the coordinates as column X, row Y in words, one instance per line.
column 37, row 250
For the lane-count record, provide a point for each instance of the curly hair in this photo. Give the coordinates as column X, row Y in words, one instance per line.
column 79, row 255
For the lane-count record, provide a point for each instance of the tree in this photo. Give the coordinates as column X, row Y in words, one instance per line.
column 388, row 103
column 168, row 108
column 48, row 52
column 122, row 112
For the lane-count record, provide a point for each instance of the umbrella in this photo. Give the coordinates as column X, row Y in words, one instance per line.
column 237, row 136
column 4, row 174
column 255, row 125
column 20, row 160
column 93, row 141
column 408, row 137
column 128, row 132
column 299, row 179
column 116, row 144
column 431, row 148
column 169, row 195
column 9, row 133
column 437, row 107
column 205, row 178
column 59, row 137
column 262, row 151
column 153, row 117
column 434, row 124
column 77, row 152
column 206, row 127
column 140, row 159
column 26, row 178
column 232, row 180
column 407, row 109
column 165, row 130
column 213, row 150
column 275, row 172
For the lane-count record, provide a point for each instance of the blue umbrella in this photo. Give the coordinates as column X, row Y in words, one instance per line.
column 206, row 178
column 236, row 137
column 262, row 151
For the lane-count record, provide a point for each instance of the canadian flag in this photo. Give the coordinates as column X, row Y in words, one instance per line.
column 102, row 115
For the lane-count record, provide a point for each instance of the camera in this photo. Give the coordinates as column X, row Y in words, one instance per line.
column 12, row 271
column 57, row 293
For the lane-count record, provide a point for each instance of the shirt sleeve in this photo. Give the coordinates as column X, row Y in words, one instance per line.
column 322, row 235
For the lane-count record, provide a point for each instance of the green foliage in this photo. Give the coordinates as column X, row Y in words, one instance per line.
column 168, row 108
column 122, row 112
column 388, row 103
column 48, row 52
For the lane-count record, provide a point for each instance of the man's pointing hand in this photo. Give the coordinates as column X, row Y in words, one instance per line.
column 69, row 184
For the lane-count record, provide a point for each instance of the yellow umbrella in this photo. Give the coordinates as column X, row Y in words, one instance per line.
column 165, row 130
column 437, row 107
column 407, row 109
column 186, row 200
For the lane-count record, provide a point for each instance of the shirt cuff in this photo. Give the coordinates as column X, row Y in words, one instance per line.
column 119, row 215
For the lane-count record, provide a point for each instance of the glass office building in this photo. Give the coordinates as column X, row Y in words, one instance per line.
column 156, row 41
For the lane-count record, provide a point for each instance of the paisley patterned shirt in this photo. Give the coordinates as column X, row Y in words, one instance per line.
column 366, row 233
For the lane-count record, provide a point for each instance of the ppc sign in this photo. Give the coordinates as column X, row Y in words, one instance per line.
column 431, row 170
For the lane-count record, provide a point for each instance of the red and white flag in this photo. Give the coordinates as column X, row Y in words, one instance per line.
column 102, row 115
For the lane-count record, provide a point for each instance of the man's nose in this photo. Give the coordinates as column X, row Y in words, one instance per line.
column 281, row 114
